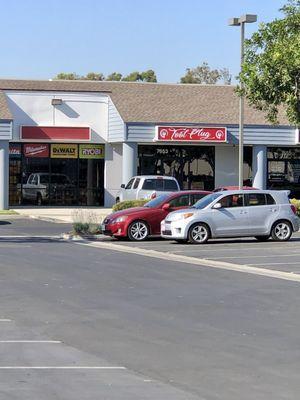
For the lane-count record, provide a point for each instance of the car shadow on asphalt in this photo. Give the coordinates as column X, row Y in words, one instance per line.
column 5, row 223
column 29, row 239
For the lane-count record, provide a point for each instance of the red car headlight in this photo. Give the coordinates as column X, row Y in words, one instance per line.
column 119, row 219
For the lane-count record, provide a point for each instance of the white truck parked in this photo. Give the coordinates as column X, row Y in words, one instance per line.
column 146, row 187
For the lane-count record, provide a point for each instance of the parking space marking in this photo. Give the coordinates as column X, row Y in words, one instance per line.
column 264, row 256
column 201, row 262
column 70, row 367
column 31, row 341
column 279, row 263
column 5, row 320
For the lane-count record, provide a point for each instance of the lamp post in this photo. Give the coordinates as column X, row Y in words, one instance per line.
column 244, row 19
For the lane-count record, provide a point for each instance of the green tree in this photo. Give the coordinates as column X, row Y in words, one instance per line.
column 115, row 76
column 67, row 76
column 201, row 74
column 91, row 76
column 94, row 76
column 271, row 68
column 148, row 76
column 225, row 75
column 133, row 77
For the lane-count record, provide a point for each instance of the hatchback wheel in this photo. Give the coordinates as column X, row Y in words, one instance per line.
column 199, row 233
column 281, row 231
column 138, row 230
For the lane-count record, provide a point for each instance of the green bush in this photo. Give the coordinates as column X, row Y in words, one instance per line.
column 85, row 222
column 128, row 204
column 80, row 227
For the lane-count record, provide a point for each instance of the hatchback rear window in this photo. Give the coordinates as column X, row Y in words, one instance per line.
column 256, row 199
column 270, row 199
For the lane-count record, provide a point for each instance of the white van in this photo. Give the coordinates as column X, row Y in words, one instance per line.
column 146, row 187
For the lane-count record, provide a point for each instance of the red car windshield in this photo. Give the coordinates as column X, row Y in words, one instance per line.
column 157, row 201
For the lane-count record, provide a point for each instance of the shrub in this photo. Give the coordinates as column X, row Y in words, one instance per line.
column 85, row 223
column 296, row 203
column 128, row 204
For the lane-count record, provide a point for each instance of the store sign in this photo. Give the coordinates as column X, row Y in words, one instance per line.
column 15, row 150
column 65, row 133
column 36, row 150
column 190, row 134
column 64, row 151
column 91, row 151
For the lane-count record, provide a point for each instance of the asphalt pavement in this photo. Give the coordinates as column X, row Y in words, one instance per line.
column 78, row 322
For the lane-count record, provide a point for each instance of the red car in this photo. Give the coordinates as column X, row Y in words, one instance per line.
column 139, row 222
column 221, row 188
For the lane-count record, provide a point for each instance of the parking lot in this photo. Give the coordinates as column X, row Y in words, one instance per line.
column 247, row 251
column 78, row 322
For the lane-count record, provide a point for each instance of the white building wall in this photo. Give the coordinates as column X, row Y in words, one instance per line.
column 116, row 126
column 77, row 109
column 226, row 165
column 5, row 130
column 113, row 172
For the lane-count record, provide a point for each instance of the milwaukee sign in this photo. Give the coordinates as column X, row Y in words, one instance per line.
column 190, row 134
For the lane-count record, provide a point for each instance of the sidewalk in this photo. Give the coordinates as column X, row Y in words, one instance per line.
column 63, row 214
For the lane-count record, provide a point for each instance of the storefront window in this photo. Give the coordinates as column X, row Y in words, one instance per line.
column 192, row 166
column 56, row 174
column 284, row 169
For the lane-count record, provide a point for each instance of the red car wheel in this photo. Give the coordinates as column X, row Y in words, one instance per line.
column 138, row 230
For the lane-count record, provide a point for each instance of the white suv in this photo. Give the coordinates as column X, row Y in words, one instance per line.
column 147, row 187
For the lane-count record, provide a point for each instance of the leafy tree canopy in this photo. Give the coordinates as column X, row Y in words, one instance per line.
column 203, row 74
column 271, row 68
column 67, row 76
column 146, row 76
column 91, row 76
column 115, row 76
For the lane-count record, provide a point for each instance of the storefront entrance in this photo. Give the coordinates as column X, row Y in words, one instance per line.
column 284, row 169
column 192, row 166
column 56, row 174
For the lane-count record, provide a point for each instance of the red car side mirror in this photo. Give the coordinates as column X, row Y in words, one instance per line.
column 166, row 207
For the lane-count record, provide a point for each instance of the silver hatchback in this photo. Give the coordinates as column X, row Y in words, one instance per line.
column 238, row 213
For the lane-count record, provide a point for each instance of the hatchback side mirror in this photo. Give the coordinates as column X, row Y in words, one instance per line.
column 123, row 186
column 166, row 207
column 217, row 206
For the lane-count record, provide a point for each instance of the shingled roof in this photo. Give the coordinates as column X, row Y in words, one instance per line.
column 4, row 109
column 159, row 103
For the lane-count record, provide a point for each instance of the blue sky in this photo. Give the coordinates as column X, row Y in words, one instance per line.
column 42, row 38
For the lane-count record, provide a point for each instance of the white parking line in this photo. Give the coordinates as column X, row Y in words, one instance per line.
column 279, row 263
column 63, row 367
column 31, row 341
column 201, row 262
column 5, row 320
column 265, row 256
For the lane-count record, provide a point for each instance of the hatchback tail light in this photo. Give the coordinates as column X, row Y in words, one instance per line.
column 153, row 195
column 293, row 208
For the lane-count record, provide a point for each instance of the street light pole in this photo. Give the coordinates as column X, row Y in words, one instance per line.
column 248, row 18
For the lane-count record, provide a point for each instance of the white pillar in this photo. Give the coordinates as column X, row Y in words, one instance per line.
column 129, row 161
column 259, row 166
column 4, row 174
